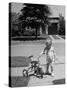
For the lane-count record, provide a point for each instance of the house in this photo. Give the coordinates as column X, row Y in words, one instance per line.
column 29, row 25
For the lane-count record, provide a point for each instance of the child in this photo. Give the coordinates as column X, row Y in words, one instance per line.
column 50, row 56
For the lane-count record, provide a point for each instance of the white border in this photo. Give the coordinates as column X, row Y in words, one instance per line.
column 4, row 42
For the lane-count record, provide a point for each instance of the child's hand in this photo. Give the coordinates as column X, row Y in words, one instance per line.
column 43, row 52
column 38, row 58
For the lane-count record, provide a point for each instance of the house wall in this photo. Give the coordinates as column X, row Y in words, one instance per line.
column 53, row 29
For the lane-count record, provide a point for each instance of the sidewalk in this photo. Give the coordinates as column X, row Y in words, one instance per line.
column 59, row 71
column 59, row 74
column 17, row 71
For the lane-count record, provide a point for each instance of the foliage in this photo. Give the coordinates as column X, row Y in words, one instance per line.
column 34, row 15
column 61, row 25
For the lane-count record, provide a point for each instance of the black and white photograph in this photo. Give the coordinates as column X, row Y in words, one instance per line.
column 36, row 44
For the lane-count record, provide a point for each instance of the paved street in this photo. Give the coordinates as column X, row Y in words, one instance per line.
column 21, row 48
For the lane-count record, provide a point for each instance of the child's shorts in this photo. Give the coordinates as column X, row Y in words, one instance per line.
column 49, row 60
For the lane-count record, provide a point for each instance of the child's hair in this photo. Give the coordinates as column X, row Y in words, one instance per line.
column 48, row 41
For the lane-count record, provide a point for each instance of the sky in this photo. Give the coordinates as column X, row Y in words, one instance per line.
column 55, row 9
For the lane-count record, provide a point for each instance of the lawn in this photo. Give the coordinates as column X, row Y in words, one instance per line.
column 20, row 61
column 29, row 38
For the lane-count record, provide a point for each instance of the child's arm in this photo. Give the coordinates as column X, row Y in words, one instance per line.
column 43, row 52
column 54, row 55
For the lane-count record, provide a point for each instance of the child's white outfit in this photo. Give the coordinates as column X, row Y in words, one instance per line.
column 49, row 56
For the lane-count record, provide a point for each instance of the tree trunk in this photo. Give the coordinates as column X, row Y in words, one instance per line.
column 36, row 34
column 40, row 30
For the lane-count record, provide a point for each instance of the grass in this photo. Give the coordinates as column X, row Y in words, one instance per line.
column 20, row 61
column 19, row 81
column 29, row 38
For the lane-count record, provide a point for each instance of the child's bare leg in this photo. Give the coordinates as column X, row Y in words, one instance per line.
column 52, row 74
column 51, row 69
column 47, row 68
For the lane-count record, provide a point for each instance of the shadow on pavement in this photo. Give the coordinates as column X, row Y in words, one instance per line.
column 59, row 81
column 19, row 81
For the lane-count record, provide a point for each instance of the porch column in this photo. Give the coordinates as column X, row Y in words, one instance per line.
column 46, row 28
column 58, row 28
column 40, row 30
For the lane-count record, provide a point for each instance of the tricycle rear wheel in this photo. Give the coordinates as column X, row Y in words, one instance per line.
column 25, row 73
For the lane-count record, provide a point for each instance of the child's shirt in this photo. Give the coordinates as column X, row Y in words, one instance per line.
column 49, row 54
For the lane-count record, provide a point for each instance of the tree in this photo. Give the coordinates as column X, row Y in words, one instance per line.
column 61, row 25
column 15, row 30
column 35, row 14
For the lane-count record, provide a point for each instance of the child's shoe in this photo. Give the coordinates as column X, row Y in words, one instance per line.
column 52, row 74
